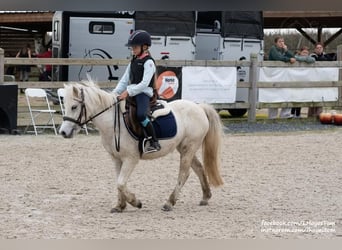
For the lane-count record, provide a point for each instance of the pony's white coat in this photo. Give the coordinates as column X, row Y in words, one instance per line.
column 197, row 125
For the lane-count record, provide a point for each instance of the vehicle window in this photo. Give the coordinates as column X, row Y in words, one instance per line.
column 101, row 27
column 56, row 31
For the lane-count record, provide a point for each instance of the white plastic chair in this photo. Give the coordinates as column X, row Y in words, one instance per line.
column 44, row 112
column 9, row 78
column 61, row 94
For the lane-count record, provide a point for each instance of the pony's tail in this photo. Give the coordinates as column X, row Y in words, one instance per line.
column 211, row 148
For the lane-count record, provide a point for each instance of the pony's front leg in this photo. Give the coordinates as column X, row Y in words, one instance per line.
column 121, row 203
column 124, row 195
column 184, row 172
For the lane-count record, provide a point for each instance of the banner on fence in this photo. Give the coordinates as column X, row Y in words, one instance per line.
column 268, row 74
column 209, row 84
column 169, row 83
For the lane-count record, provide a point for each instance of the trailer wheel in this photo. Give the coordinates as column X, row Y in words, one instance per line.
column 237, row 112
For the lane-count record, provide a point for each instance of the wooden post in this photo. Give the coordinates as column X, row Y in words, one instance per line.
column 339, row 58
column 2, row 65
column 252, row 92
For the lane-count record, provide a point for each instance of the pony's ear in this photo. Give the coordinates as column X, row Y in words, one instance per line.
column 75, row 91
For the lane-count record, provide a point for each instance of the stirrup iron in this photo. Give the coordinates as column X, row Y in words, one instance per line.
column 146, row 149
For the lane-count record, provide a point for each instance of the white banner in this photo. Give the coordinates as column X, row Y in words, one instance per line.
column 268, row 74
column 209, row 84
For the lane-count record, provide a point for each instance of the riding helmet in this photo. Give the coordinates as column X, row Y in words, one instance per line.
column 139, row 37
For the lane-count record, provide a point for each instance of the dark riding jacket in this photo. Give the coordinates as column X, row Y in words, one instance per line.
column 137, row 70
column 138, row 77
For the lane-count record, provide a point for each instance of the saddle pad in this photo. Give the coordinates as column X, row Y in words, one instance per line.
column 165, row 126
column 160, row 109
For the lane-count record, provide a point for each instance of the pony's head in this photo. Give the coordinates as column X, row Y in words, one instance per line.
column 83, row 102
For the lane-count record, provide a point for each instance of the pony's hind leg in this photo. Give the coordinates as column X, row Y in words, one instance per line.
column 199, row 171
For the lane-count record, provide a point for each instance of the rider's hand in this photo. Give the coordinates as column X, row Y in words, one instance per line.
column 123, row 95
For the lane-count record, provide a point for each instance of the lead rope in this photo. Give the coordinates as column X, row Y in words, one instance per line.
column 117, row 126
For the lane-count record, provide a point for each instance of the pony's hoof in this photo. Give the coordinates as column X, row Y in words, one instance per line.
column 116, row 210
column 139, row 204
column 167, row 208
column 203, row 203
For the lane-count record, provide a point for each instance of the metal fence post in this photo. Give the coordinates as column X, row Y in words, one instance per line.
column 2, row 65
column 252, row 92
column 339, row 58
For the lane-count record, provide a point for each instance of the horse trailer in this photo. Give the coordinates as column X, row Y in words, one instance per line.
column 104, row 35
column 90, row 35
column 186, row 35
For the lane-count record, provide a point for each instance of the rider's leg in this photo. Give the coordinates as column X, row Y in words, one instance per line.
column 150, row 133
column 143, row 101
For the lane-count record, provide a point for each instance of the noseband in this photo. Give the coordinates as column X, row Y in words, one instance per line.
column 83, row 112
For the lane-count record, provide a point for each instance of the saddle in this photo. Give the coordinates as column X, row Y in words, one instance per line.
column 157, row 108
column 160, row 114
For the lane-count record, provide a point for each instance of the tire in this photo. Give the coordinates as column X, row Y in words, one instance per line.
column 237, row 112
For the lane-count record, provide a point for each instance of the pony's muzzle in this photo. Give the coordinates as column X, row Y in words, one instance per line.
column 65, row 131
column 65, row 135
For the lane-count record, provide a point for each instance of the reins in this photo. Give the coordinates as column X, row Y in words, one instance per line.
column 117, row 125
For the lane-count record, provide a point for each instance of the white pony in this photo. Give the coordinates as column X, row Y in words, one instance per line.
column 197, row 125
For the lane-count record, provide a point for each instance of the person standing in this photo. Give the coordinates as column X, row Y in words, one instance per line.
column 319, row 55
column 138, row 83
column 24, row 70
column 280, row 52
column 45, row 74
column 302, row 56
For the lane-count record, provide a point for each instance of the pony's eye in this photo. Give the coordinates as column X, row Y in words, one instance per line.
column 74, row 107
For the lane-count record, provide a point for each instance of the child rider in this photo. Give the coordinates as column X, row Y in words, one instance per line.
column 138, row 82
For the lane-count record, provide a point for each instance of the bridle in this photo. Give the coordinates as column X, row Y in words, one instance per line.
column 83, row 113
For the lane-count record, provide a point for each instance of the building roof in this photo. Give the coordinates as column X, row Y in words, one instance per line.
column 303, row 19
column 41, row 20
column 16, row 23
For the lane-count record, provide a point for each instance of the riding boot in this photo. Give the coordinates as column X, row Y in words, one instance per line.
column 151, row 136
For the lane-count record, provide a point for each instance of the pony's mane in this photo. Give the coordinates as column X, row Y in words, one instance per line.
column 94, row 96
column 89, row 83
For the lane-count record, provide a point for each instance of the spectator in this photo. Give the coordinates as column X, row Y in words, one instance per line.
column 280, row 52
column 24, row 70
column 45, row 74
column 302, row 56
column 320, row 55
